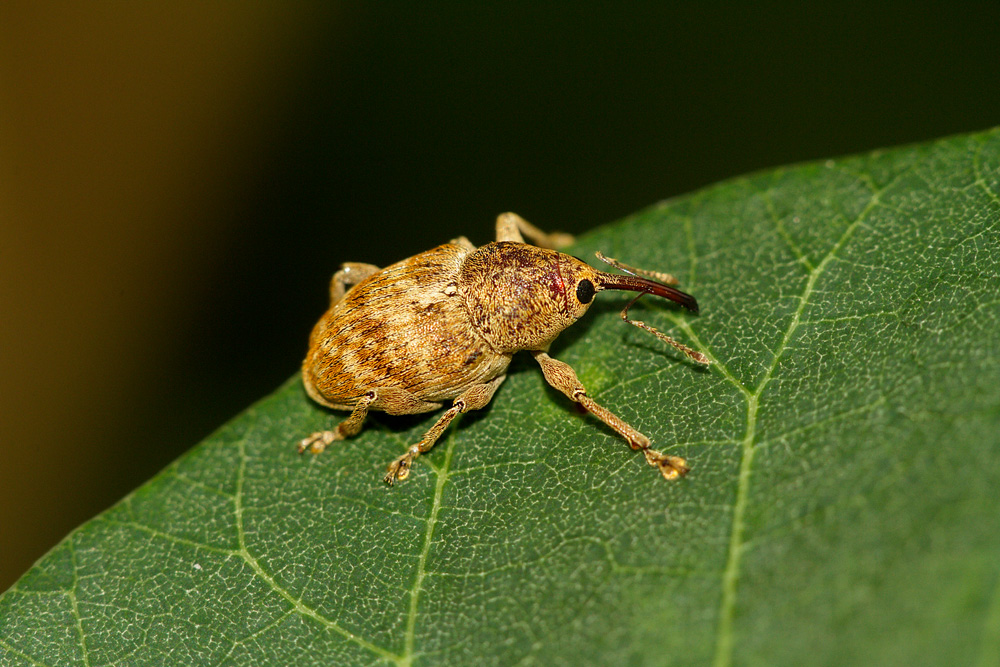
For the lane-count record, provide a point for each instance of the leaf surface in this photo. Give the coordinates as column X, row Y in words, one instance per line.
column 842, row 507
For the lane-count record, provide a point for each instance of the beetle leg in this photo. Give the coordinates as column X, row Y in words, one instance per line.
column 464, row 242
column 562, row 377
column 510, row 227
column 319, row 440
column 350, row 274
column 473, row 398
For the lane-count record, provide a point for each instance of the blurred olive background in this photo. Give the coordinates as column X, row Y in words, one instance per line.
column 178, row 181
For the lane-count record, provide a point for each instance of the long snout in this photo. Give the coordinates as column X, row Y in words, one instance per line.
column 637, row 284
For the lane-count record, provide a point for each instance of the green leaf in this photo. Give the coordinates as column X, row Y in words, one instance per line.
column 842, row 507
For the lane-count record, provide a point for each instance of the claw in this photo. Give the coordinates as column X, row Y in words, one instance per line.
column 671, row 467
column 398, row 469
column 317, row 442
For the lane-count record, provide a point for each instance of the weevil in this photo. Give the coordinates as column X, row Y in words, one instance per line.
column 444, row 324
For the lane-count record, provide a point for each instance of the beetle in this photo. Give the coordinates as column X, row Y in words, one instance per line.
column 443, row 325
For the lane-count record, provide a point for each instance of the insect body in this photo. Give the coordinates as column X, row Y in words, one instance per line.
column 444, row 324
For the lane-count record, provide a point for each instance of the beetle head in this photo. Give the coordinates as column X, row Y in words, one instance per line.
column 521, row 297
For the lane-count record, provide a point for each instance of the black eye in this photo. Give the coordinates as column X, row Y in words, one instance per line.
column 585, row 291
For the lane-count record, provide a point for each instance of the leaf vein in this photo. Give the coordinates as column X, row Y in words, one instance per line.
column 155, row 532
column 296, row 603
column 418, row 580
column 71, row 593
column 980, row 178
column 22, row 654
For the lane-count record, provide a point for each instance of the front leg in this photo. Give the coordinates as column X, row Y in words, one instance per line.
column 473, row 398
column 561, row 376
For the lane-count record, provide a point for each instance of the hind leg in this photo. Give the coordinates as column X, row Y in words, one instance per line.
column 393, row 401
column 319, row 440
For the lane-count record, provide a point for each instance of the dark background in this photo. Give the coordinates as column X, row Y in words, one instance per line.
column 178, row 182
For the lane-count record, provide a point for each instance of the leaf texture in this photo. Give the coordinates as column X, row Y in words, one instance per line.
column 842, row 507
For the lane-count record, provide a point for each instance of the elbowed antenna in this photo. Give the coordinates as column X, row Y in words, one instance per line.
column 648, row 286
column 636, row 284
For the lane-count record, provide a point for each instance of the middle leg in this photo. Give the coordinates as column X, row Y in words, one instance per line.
column 511, row 226
column 349, row 275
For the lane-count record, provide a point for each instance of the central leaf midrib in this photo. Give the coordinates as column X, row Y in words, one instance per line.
column 730, row 575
